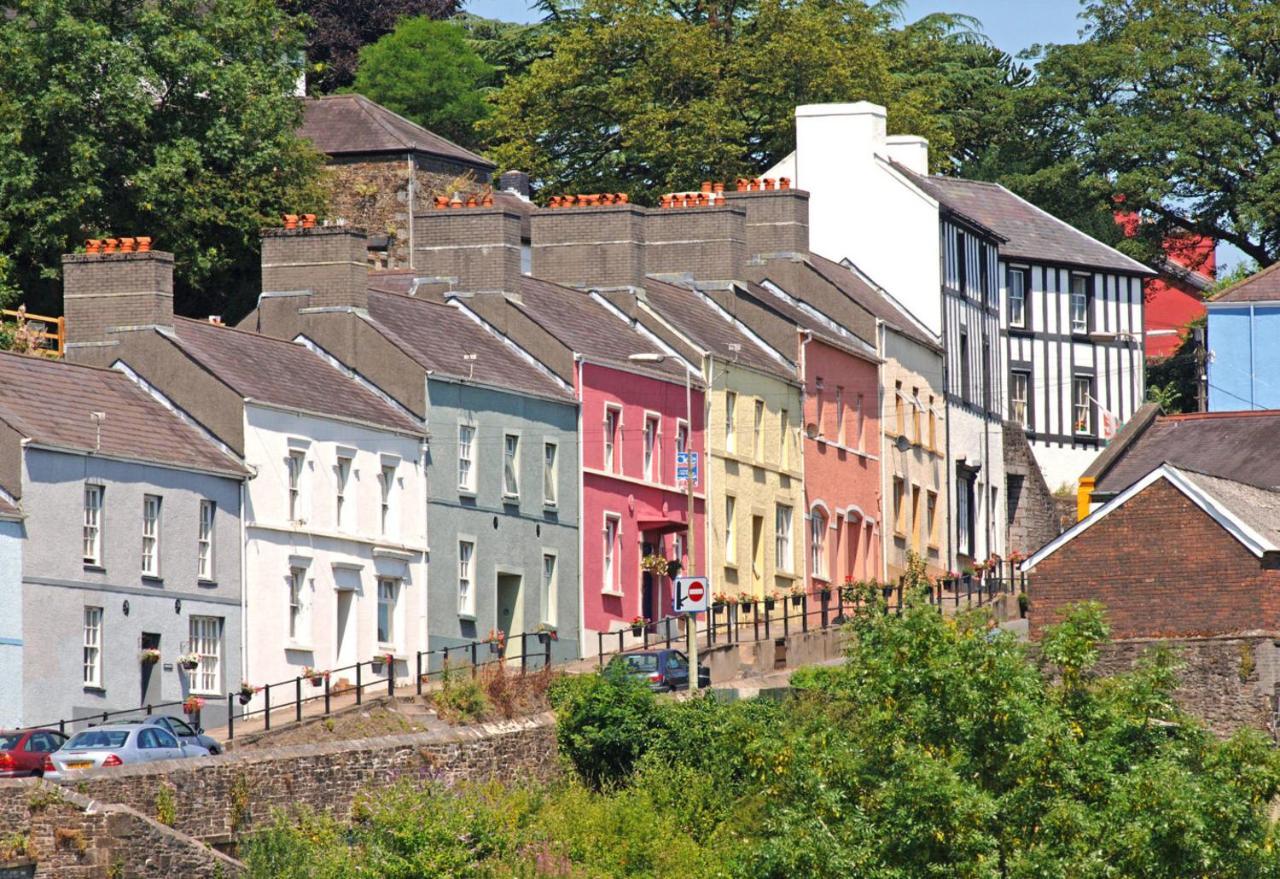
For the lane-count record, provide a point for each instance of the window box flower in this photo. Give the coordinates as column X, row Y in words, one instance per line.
column 316, row 677
column 189, row 661
column 150, row 656
column 771, row 599
column 637, row 626
column 797, row 595
column 746, row 601
column 546, row 633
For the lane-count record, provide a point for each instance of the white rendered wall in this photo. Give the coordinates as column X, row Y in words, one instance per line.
column 1062, row 464
column 347, row 556
column 979, row 441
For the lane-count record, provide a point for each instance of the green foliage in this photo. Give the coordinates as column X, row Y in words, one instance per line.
column 174, row 120
column 461, row 699
column 166, row 807
column 937, row 749
column 427, row 71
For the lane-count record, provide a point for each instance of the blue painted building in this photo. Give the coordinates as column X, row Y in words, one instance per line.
column 1244, row 344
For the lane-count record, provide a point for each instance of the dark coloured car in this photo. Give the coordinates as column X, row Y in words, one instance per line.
column 186, row 733
column 22, row 752
column 664, row 670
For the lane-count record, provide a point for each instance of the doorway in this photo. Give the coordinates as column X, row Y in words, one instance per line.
column 757, row 555
column 648, row 589
column 345, row 629
column 150, row 671
column 510, row 610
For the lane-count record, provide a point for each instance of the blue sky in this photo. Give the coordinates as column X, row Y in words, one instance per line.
column 1013, row 25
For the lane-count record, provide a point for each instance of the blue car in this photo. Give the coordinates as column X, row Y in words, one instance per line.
column 665, row 670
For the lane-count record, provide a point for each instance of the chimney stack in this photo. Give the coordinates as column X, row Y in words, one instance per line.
column 708, row 242
column 515, row 181
column 329, row 263
column 601, row 245
column 474, row 244
column 777, row 219
column 116, row 286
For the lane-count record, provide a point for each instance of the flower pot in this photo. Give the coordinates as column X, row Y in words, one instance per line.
column 245, row 698
column 637, row 630
column 494, row 647
column 316, row 680
column 188, row 666
column 795, row 600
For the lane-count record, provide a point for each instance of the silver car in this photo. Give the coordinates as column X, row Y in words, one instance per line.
column 116, row 745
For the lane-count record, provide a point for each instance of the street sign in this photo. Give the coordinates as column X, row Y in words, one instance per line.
column 683, row 473
column 691, row 595
column 682, row 459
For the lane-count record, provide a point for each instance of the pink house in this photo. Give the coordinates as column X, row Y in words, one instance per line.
column 841, row 464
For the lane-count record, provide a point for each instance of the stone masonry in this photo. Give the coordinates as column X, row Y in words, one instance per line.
column 107, row 291
column 1033, row 513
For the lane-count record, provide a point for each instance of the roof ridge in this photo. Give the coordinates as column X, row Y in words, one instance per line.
column 241, row 330
column 48, row 361
column 1207, row 416
column 1244, row 282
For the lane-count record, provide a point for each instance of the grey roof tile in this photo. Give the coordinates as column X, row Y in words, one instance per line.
column 1263, row 286
column 52, row 403
column 351, row 124
column 874, row 301
column 1259, row 508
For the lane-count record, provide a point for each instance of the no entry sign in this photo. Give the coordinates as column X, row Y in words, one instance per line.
column 691, row 595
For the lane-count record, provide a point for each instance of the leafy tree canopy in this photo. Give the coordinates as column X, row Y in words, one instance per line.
column 131, row 117
column 428, row 71
column 643, row 96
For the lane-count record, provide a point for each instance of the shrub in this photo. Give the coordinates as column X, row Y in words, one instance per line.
column 606, row 721
column 461, row 699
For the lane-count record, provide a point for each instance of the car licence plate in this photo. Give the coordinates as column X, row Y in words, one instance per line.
column 79, row 764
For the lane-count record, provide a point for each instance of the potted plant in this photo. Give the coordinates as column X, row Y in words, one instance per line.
column 797, row 595
column 496, row 639
column 1023, row 603
column 637, row 626
column 673, row 568
column 316, row 677
column 547, row 632
column 149, row 656
column 656, row 565
column 746, row 601
column 771, row 599
column 192, row 705
column 387, row 660
column 189, row 661
column 247, row 691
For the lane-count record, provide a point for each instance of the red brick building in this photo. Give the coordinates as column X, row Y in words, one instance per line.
column 1176, row 554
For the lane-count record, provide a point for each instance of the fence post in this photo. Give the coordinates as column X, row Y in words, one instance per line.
column 600, row 649
column 826, row 606
column 417, row 671
column 767, row 614
column 804, row 612
column 359, row 687
column 266, row 711
column 524, row 650
column 326, row 695
column 148, row 709
column 297, row 699
column 391, row 677
column 546, row 662
column 231, row 717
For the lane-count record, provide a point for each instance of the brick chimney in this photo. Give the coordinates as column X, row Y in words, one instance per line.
column 514, row 181
column 475, row 246
column 707, row 242
column 601, row 246
column 116, row 286
column 327, row 264
column 777, row 221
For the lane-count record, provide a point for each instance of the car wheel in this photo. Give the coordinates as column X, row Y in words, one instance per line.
column 214, row 750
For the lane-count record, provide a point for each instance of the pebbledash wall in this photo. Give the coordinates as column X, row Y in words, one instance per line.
column 11, row 619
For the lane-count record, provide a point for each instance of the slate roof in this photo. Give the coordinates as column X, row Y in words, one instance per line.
column 797, row 316
column 351, row 124
column 1239, row 446
column 51, row 403
column 1029, row 232
column 282, row 373
column 1264, row 286
column 437, row 337
column 587, row 328
column 874, row 301
column 709, row 329
column 1259, row 508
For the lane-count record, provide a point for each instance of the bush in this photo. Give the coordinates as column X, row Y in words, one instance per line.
column 461, row 699
column 606, row 721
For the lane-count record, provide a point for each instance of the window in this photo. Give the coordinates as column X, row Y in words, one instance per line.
column 550, row 473
column 466, row 457
column 1019, row 385
column 93, row 647
column 295, row 462
column 204, row 541
column 840, row 415
column 1079, row 304
column 984, row 273
column 857, row 422
column 297, row 603
column 650, row 447
column 1016, row 281
column 962, row 267
column 342, row 474
column 511, row 465
column 206, row 643
column 387, row 485
column 388, row 599
column 1082, row 404
column 610, row 573
column 92, row 524
column 933, row 425
column 818, row 544
column 931, row 516
column 782, row 537
column 985, row 366
column 917, row 520
column 466, row 585
column 730, row 533
column 730, row 414
column 784, row 452
column 611, row 416
column 682, row 437
column 964, row 366
column 964, row 514
column 899, row 507
column 757, row 431
column 899, row 416
column 151, row 535
column 550, row 596
column 916, row 436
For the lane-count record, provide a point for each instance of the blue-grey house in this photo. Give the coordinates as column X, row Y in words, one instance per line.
column 11, row 619
column 1244, row 344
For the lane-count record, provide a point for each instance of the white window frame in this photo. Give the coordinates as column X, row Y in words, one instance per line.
column 652, row 427
column 818, row 543
column 730, row 421
column 784, row 448
column 298, row 610
column 550, row 592
column 858, row 422
column 840, row 415
column 757, row 430
column 730, row 532
column 1018, row 315
column 609, row 563
column 467, row 578
column 91, row 641
column 1019, row 393
column 612, row 429
column 152, row 504
column 387, row 474
column 388, row 605
column 92, row 534
column 205, row 635
column 295, row 464
column 1082, row 409
column 342, row 477
column 467, row 457
column 550, row 473
column 205, row 540
column 783, row 525
column 1080, row 303
column 511, row 465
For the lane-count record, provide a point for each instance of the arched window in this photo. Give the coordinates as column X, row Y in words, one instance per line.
column 818, row 544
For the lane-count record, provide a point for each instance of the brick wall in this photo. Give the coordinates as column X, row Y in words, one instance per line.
column 480, row 247
column 330, row 261
column 777, row 220
column 600, row 246
column 1033, row 513
column 1163, row 568
column 709, row 242
column 102, row 291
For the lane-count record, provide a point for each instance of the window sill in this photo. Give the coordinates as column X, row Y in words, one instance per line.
column 206, row 582
column 611, row 593
column 94, row 688
column 96, row 568
column 511, row 498
column 550, row 505
column 466, row 492
column 210, row 693
column 467, row 617
column 299, row 647
column 733, row 566
column 153, row 578
column 821, row 578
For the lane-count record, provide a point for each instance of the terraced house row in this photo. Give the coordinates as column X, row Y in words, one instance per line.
column 474, row 424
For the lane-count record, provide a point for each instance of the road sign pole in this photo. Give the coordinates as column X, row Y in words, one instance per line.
column 691, row 620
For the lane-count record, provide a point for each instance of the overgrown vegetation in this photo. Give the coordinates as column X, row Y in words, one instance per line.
column 493, row 693
column 938, row 749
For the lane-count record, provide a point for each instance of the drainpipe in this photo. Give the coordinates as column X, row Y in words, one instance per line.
column 883, row 347
column 948, row 461
column 244, row 583
column 582, row 522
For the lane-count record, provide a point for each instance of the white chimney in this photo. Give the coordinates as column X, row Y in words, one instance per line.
column 909, row 150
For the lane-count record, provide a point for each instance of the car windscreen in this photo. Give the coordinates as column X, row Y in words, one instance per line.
column 9, row 741
column 643, row 663
column 98, row 738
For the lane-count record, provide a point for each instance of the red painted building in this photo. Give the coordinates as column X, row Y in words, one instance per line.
column 1175, row 297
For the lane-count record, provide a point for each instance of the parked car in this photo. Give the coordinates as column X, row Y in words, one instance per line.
column 665, row 670
column 22, row 752
column 186, row 733
column 116, row 744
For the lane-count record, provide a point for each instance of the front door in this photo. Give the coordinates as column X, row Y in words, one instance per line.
column 345, row 629
column 150, row 671
column 510, row 618
column 649, row 597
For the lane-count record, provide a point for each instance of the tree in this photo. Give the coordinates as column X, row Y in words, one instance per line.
column 427, row 71
column 174, row 120
column 1171, row 103
column 644, row 96
column 341, row 28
